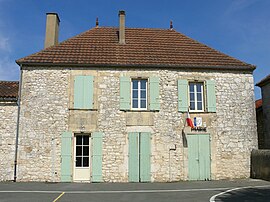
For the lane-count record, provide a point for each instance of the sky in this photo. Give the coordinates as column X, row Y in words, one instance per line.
column 239, row 28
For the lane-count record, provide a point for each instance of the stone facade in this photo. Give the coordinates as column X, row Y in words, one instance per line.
column 8, row 126
column 47, row 111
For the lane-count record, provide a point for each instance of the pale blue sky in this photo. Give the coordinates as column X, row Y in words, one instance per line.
column 239, row 28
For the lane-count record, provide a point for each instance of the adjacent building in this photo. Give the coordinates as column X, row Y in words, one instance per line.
column 110, row 105
column 264, row 113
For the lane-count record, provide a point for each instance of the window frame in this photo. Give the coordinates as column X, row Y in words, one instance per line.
column 139, row 93
column 195, row 95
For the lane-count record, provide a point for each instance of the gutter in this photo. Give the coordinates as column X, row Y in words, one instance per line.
column 160, row 66
column 18, row 123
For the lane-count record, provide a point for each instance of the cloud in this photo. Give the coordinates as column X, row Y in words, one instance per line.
column 4, row 43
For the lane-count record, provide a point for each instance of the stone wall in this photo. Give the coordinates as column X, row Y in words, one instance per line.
column 43, row 118
column 47, row 111
column 8, row 123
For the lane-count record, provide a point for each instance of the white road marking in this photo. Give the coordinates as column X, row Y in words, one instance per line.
column 212, row 199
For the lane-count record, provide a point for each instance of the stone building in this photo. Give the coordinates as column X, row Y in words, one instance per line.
column 264, row 135
column 259, row 119
column 110, row 105
column 8, row 126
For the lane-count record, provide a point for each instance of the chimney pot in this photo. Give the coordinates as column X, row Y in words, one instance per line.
column 122, row 27
column 52, row 29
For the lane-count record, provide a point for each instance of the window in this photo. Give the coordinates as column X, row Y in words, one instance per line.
column 196, row 96
column 139, row 94
column 82, row 151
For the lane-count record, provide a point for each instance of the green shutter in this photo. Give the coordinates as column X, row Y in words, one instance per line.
column 145, row 157
column 211, row 96
column 183, row 96
column 204, row 156
column 97, row 156
column 133, row 157
column 78, row 92
column 154, row 93
column 66, row 157
column 193, row 157
column 83, row 92
column 125, row 93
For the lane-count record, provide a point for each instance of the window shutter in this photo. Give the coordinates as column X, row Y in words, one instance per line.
column 83, row 92
column 154, row 93
column 133, row 157
column 145, row 154
column 66, row 157
column 183, row 96
column 211, row 95
column 125, row 93
column 97, row 156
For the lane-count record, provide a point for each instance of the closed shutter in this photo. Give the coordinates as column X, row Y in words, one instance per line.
column 183, row 96
column 66, row 157
column 145, row 157
column 83, row 92
column 97, row 156
column 154, row 93
column 133, row 157
column 211, row 96
column 125, row 93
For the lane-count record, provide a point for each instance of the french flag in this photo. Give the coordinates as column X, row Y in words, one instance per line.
column 189, row 121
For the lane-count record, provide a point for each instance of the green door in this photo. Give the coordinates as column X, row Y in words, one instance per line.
column 139, row 157
column 199, row 157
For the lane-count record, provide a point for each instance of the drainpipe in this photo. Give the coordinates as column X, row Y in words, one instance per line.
column 18, row 123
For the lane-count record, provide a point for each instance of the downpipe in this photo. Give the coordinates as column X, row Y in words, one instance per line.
column 18, row 123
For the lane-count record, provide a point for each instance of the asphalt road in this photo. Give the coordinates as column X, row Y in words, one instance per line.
column 239, row 190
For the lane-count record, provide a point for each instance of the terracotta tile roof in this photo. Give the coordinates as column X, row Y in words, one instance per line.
column 144, row 47
column 264, row 81
column 9, row 89
column 258, row 103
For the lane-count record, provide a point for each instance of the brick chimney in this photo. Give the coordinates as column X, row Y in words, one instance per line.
column 52, row 29
column 122, row 27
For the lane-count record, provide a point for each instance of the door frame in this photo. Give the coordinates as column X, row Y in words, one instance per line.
column 74, row 157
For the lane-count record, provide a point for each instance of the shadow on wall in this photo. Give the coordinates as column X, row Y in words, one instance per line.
column 260, row 164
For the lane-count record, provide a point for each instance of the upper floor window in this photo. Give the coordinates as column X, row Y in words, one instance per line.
column 139, row 94
column 196, row 96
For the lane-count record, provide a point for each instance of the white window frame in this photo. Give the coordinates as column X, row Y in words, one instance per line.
column 195, row 95
column 139, row 93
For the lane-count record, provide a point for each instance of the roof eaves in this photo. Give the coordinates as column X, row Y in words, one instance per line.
column 264, row 81
column 236, row 68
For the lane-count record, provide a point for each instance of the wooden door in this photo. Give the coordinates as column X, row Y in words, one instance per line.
column 199, row 157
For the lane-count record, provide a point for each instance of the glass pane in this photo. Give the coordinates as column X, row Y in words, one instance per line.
column 135, row 93
column 78, row 150
column 199, row 87
column 85, row 140
column 199, row 105
column 143, row 84
column 199, row 96
column 85, row 151
column 143, row 94
column 192, row 105
column 191, row 87
column 134, row 84
column 134, row 103
column 78, row 161
column 85, row 161
column 192, row 97
column 79, row 140
column 143, row 104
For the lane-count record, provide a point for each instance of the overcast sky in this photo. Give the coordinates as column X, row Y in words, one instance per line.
column 239, row 28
